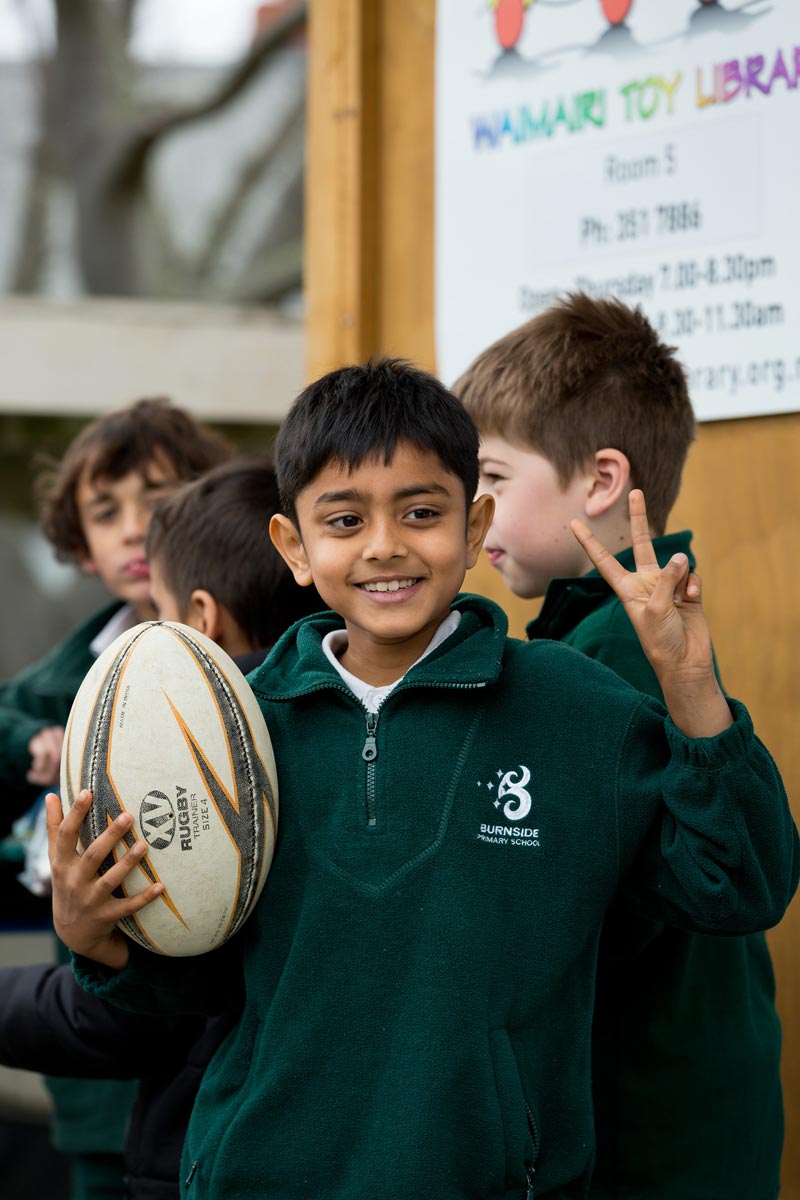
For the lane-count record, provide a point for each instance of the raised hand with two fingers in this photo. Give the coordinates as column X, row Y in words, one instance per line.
column 665, row 608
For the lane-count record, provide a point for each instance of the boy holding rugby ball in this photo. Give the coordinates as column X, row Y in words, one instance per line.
column 419, row 994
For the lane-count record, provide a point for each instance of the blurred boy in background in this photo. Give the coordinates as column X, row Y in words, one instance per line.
column 212, row 567
column 97, row 505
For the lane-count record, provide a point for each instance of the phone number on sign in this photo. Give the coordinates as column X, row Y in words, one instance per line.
column 632, row 224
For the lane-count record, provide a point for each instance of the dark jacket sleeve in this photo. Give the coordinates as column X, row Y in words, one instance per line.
column 204, row 985
column 48, row 1023
column 724, row 855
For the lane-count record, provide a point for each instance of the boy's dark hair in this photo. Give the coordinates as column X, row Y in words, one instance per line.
column 129, row 439
column 362, row 412
column 584, row 375
column 213, row 534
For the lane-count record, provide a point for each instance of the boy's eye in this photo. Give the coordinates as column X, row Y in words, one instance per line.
column 421, row 514
column 104, row 514
column 348, row 521
column 490, row 478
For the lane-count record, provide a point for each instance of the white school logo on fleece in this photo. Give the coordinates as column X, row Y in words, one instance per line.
column 511, row 788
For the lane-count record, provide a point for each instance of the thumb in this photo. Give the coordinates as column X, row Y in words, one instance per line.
column 690, row 591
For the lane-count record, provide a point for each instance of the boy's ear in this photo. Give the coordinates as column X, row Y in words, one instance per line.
column 87, row 564
column 609, row 481
column 479, row 518
column 205, row 614
column 208, row 616
column 286, row 540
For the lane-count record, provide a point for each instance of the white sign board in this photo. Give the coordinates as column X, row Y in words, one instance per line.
column 644, row 149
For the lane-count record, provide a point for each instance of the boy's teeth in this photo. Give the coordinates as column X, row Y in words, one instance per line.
column 393, row 585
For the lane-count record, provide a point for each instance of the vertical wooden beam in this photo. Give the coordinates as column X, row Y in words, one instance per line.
column 342, row 201
column 407, row 136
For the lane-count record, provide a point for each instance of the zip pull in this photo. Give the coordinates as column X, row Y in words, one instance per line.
column 529, row 1174
column 370, row 751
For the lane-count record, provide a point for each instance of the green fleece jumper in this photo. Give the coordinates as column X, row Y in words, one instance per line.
column 419, row 969
column 90, row 1116
column 38, row 696
column 686, row 1040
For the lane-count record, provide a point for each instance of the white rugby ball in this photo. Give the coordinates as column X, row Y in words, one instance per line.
column 165, row 727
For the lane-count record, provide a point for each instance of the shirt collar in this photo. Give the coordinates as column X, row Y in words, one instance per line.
column 123, row 619
column 335, row 642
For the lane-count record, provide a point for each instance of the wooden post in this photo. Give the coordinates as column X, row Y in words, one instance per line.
column 342, row 202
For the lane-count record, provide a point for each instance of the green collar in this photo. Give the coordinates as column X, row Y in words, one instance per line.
column 567, row 601
column 470, row 657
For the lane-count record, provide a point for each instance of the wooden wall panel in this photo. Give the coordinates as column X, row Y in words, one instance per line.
column 741, row 495
column 370, row 240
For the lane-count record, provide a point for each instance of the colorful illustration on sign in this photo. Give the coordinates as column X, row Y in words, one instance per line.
column 711, row 17
column 509, row 24
column 512, row 19
column 509, row 17
column 616, row 10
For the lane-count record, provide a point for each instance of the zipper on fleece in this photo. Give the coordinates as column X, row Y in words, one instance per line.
column 530, row 1170
column 369, row 753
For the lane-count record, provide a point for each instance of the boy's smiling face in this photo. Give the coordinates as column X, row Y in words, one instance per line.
column 387, row 548
column 114, row 516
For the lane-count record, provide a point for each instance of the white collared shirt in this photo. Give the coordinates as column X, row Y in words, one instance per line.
column 123, row 619
column 335, row 643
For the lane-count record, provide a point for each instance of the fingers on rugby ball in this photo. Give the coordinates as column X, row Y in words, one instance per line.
column 166, row 728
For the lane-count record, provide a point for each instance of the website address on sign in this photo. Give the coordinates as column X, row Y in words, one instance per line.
column 731, row 378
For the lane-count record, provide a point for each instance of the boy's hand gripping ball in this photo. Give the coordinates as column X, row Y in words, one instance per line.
column 166, row 728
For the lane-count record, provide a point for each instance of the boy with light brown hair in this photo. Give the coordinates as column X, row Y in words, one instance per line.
column 575, row 409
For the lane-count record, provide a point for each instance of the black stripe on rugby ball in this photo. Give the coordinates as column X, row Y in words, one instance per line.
column 251, row 781
column 105, row 802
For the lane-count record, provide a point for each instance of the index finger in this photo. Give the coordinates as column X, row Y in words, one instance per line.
column 63, row 829
column 54, row 817
column 643, row 553
column 603, row 560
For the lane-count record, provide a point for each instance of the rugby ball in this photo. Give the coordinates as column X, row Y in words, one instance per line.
column 166, row 728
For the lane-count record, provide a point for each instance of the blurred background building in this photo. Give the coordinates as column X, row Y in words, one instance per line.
column 152, row 166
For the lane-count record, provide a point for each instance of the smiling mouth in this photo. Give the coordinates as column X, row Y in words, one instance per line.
column 494, row 556
column 388, row 585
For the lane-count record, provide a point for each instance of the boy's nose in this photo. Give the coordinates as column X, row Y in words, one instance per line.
column 134, row 523
column 384, row 542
